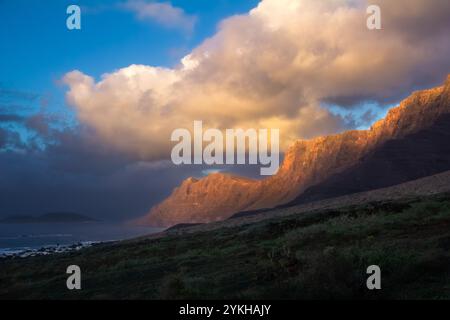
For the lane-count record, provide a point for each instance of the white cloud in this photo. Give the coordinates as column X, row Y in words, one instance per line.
column 271, row 68
column 163, row 13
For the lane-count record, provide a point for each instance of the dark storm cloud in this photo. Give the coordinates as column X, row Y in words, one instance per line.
column 9, row 139
column 423, row 19
column 39, row 123
column 2, row 137
column 13, row 94
column 74, row 172
column 78, row 151
column 10, row 118
column 423, row 28
column 72, row 178
column 14, row 101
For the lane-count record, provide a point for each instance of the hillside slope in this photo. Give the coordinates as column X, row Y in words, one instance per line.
column 316, row 255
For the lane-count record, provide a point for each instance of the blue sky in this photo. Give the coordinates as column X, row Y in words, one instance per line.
column 37, row 48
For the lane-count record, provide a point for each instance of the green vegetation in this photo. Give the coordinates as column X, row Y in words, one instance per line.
column 318, row 255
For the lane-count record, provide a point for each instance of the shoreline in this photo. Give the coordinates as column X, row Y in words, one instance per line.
column 25, row 252
column 21, row 241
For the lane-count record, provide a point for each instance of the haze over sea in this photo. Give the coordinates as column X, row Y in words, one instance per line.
column 17, row 237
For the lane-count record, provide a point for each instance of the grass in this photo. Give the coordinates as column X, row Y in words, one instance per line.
column 317, row 255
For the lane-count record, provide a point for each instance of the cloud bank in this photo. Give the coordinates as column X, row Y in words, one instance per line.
column 275, row 67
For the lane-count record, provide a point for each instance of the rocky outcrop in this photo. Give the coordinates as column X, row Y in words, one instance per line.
column 307, row 163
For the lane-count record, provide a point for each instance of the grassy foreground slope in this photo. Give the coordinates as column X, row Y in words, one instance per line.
column 317, row 255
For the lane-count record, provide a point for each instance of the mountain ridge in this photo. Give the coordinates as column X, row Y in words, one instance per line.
column 417, row 155
column 306, row 163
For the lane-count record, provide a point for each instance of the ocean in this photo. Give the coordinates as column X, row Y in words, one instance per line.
column 20, row 237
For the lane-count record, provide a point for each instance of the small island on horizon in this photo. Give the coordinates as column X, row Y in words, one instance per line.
column 51, row 217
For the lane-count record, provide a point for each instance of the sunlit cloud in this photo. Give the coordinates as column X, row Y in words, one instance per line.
column 276, row 67
column 162, row 13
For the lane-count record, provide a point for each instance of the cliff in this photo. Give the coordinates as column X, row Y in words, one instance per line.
column 307, row 163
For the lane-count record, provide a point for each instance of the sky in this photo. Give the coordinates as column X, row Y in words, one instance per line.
column 37, row 50
column 86, row 115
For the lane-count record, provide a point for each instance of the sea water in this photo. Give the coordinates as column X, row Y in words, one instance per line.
column 20, row 237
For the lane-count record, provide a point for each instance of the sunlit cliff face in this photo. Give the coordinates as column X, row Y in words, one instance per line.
column 307, row 163
column 275, row 67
